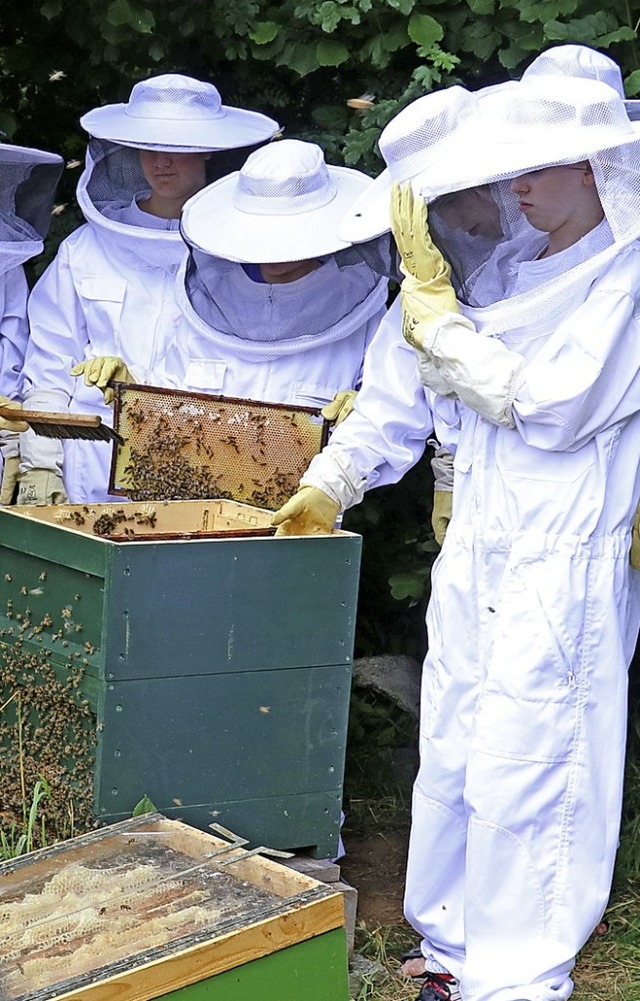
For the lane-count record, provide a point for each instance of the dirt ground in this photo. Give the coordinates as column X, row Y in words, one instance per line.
column 375, row 865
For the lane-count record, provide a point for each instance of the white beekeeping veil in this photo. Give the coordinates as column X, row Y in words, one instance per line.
column 28, row 181
column 285, row 204
column 536, row 124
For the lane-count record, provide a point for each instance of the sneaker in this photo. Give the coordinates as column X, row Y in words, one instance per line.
column 439, row 987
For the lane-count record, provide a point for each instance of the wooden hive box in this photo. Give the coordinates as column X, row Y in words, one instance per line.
column 214, row 659
column 150, row 907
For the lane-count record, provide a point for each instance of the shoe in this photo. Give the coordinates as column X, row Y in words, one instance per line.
column 439, row 987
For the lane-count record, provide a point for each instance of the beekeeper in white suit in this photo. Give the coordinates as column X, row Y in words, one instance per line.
column 280, row 308
column 557, row 61
column 28, row 180
column 534, row 611
column 277, row 307
column 110, row 290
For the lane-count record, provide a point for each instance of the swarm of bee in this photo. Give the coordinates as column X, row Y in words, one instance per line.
column 197, row 452
column 47, row 728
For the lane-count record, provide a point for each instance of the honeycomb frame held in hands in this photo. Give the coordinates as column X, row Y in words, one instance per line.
column 187, row 446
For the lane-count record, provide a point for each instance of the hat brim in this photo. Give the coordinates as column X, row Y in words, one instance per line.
column 26, row 155
column 369, row 216
column 508, row 153
column 235, row 128
column 211, row 222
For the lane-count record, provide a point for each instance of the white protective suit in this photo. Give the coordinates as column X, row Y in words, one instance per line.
column 299, row 342
column 28, row 179
column 109, row 291
column 533, row 616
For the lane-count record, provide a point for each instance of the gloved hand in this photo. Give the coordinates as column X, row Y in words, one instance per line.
column 8, row 425
column 441, row 513
column 309, row 512
column 426, row 292
column 442, row 465
column 634, row 555
column 99, row 371
column 10, row 476
column 340, row 406
column 41, row 487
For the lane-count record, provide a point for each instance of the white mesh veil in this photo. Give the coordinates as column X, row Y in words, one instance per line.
column 113, row 177
column 261, row 322
column 535, row 125
column 28, row 180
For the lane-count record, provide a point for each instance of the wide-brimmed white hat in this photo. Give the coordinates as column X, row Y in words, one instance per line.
column 412, row 141
column 178, row 114
column 533, row 124
column 581, row 61
column 285, row 204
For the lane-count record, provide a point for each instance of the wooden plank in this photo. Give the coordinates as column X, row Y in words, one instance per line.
column 208, row 959
column 314, row 970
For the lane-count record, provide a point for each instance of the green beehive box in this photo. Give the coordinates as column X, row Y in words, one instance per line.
column 215, row 659
column 151, row 908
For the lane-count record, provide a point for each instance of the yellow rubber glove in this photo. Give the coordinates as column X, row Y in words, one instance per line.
column 426, row 292
column 340, row 406
column 441, row 513
column 634, row 555
column 41, row 487
column 99, row 371
column 10, row 476
column 309, row 512
column 5, row 423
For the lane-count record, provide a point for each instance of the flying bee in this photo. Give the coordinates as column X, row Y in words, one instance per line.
column 362, row 103
column 56, row 76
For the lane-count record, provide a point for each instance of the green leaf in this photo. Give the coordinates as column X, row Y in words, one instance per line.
column 632, row 83
column 156, row 51
column 8, row 124
column 482, row 7
column 263, row 32
column 51, row 9
column 144, row 806
column 404, row 6
column 301, row 59
column 119, row 13
column 424, row 30
column 330, row 53
column 407, row 585
column 142, row 21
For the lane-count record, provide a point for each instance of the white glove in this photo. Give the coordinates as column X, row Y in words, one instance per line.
column 481, row 371
column 41, row 487
column 37, row 452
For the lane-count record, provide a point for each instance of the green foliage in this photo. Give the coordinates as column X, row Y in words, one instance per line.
column 30, row 833
column 377, row 728
column 145, row 805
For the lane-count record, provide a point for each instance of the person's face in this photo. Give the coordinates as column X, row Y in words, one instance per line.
column 473, row 210
column 557, row 199
column 174, row 176
column 287, row 271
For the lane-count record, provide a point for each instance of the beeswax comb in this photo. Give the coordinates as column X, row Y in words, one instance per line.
column 50, row 424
